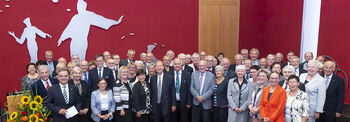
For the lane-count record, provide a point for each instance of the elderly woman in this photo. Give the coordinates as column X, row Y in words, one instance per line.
column 122, row 96
column 253, row 71
column 273, row 100
column 132, row 72
column 30, row 78
column 102, row 103
column 255, row 95
column 139, row 65
column 142, row 98
column 84, row 92
column 315, row 89
column 297, row 105
column 220, row 103
column 237, row 95
column 288, row 71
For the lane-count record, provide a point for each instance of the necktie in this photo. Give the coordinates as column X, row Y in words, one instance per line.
column 100, row 72
column 65, row 94
column 85, row 77
column 47, row 85
column 286, row 85
column 114, row 74
column 159, row 85
column 200, row 83
column 327, row 81
column 225, row 73
column 246, row 76
column 177, row 82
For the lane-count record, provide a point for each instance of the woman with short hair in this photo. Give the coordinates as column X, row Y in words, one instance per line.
column 30, row 78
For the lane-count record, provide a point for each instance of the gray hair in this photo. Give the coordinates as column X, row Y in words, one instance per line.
column 181, row 55
column 150, row 64
column 219, row 67
column 239, row 55
column 43, row 67
column 315, row 63
column 289, row 67
column 240, row 67
column 142, row 54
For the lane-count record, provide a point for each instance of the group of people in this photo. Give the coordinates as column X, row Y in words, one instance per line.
column 189, row 88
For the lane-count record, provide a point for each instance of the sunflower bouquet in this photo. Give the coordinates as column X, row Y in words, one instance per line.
column 30, row 109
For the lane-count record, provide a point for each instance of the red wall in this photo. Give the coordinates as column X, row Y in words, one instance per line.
column 275, row 26
column 170, row 23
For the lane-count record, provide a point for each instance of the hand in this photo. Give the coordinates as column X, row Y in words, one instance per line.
column 105, row 117
column 12, row 33
column 62, row 111
column 317, row 115
column 138, row 114
column 199, row 98
column 48, row 35
column 337, row 115
column 266, row 119
column 240, row 110
column 85, row 111
column 236, row 109
column 188, row 106
column 253, row 111
column 173, row 108
column 122, row 112
column 81, row 112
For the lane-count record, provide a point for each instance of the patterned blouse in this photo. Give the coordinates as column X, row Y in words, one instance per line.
column 27, row 83
column 299, row 106
column 122, row 95
column 148, row 100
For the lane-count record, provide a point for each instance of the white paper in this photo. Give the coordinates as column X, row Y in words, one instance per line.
column 72, row 111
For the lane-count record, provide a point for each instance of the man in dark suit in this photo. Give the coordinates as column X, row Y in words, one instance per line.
column 238, row 61
column 185, row 67
column 289, row 57
column 100, row 72
column 84, row 66
column 307, row 56
column 131, row 55
column 210, row 60
column 50, row 62
column 163, row 94
column 228, row 73
column 41, row 86
column 182, row 82
column 335, row 93
column 295, row 61
column 202, row 89
column 61, row 97
column 288, row 71
column 111, row 65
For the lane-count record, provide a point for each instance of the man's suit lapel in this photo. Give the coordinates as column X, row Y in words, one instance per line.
column 60, row 93
column 71, row 92
column 332, row 83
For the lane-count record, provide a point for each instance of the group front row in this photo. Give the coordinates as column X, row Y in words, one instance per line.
column 200, row 97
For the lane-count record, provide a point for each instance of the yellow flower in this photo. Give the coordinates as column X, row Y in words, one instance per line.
column 25, row 100
column 33, row 118
column 33, row 105
column 13, row 116
column 38, row 99
column 41, row 120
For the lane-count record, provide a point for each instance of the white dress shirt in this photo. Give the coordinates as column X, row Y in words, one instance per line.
column 44, row 82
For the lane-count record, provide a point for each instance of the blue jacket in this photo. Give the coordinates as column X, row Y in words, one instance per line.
column 96, row 104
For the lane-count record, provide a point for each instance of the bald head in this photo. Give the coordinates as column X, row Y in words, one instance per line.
column 328, row 67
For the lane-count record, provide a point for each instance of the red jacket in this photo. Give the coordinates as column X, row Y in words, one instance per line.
column 274, row 108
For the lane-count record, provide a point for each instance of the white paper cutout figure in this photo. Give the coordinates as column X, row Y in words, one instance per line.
column 29, row 33
column 79, row 27
column 151, row 47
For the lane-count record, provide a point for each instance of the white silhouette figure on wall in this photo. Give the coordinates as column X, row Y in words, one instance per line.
column 79, row 26
column 29, row 33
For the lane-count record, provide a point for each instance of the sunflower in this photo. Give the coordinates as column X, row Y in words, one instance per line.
column 25, row 100
column 33, row 105
column 38, row 99
column 41, row 120
column 13, row 116
column 33, row 118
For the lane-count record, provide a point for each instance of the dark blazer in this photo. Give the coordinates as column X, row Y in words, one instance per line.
column 93, row 77
column 334, row 96
column 301, row 70
column 124, row 62
column 185, row 93
column 232, row 67
column 167, row 97
column 171, row 69
column 301, row 65
column 55, row 102
column 230, row 74
column 284, row 64
column 301, row 85
column 38, row 87
column 85, row 95
column 188, row 68
column 221, row 93
column 139, row 96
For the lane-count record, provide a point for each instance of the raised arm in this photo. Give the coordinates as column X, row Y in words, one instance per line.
column 41, row 33
column 23, row 37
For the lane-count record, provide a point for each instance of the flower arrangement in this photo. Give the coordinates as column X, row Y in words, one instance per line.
column 30, row 109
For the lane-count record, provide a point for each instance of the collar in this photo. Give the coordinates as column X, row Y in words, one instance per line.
column 330, row 76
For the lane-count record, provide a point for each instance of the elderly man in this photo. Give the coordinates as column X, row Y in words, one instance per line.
column 163, row 96
column 182, row 82
column 75, row 59
column 279, row 58
column 151, row 71
column 185, row 67
column 143, row 58
column 288, row 71
column 321, row 59
column 202, row 55
column 295, row 62
column 271, row 58
column 238, row 61
column 84, row 66
column 111, row 65
column 50, row 62
column 247, row 64
column 202, row 89
column 244, row 53
column 254, row 55
column 289, row 55
column 228, row 73
column 171, row 55
column 195, row 59
column 188, row 59
column 263, row 63
column 106, row 56
column 210, row 60
column 41, row 86
column 116, row 59
column 335, row 94
column 130, row 55
column 307, row 56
